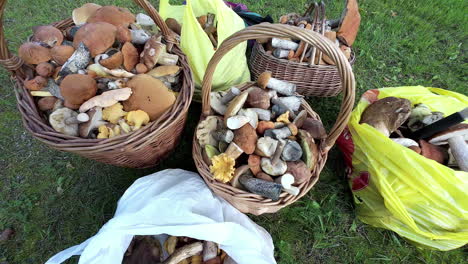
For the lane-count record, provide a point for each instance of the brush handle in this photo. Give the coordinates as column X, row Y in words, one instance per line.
column 441, row 125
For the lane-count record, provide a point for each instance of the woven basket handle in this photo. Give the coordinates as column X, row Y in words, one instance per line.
column 266, row 30
column 14, row 64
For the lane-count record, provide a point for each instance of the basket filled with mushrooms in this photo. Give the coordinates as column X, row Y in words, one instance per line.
column 259, row 145
column 105, row 84
column 291, row 59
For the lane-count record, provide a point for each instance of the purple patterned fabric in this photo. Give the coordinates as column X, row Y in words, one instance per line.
column 240, row 6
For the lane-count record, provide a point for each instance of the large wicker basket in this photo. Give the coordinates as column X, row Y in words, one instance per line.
column 311, row 80
column 140, row 149
column 252, row 203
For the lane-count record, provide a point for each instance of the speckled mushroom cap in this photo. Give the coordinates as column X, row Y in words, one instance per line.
column 442, row 137
column 263, row 79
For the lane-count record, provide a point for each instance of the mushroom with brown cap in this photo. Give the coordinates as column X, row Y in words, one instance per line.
column 76, row 89
column 35, row 84
column 114, row 60
column 315, row 128
column 130, row 56
column 64, row 120
column 114, row 15
column 60, row 54
column 79, row 60
column 80, row 15
column 265, row 80
column 123, row 34
column 299, row 170
column 433, row 152
column 47, row 34
column 309, row 149
column 46, row 103
column 152, row 51
column 246, row 138
column 106, row 99
column 258, row 98
column 149, row 95
column 45, row 69
column 98, row 37
column 236, row 105
column 456, row 137
column 34, row 53
column 387, row 114
column 94, row 122
column 244, row 169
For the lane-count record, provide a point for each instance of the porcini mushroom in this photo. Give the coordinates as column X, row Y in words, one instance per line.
column 387, row 114
column 46, row 103
column 80, row 15
column 137, row 119
column 144, row 20
column 236, row 122
column 292, row 103
column 152, row 51
column 254, row 164
column 98, row 37
column 216, row 104
column 184, row 253
column 45, row 69
column 284, row 132
column 60, row 54
column 149, row 95
column 433, row 152
column 174, row 25
column 266, row 81
column 300, row 171
column 76, row 89
column 244, row 169
column 258, row 98
column 34, row 53
column 139, row 36
column 225, row 135
column 280, row 53
column 114, row 60
column 284, row 44
column 234, row 151
column 114, row 15
column 266, row 146
column 123, row 34
column 309, row 149
column 263, row 114
column 273, row 169
column 252, row 115
column 35, row 84
column 130, row 56
column 263, row 126
column 456, row 136
column 64, row 120
column 236, row 105
column 210, row 250
column 47, row 34
column 106, row 99
column 246, row 138
column 94, row 122
column 315, row 128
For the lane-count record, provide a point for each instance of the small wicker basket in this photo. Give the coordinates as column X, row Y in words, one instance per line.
column 311, row 80
column 140, row 149
column 255, row 204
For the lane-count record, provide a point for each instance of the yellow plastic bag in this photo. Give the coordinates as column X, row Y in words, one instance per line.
column 195, row 43
column 395, row 188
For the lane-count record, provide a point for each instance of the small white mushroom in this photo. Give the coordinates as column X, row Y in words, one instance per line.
column 64, row 120
column 287, row 180
column 266, row 146
column 82, row 117
column 284, row 44
column 274, row 170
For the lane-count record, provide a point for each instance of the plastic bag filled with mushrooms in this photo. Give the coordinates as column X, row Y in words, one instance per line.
column 172, row 217
column 405, row 156
column 106, row 75
column 205, row 24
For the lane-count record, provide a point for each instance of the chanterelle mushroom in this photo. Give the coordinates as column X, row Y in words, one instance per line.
column 387, row 114
column 64, row 120
column 137, row 119
column 456, row 137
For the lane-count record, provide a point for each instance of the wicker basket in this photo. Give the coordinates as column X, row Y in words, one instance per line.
column 311, row 80
column 252, row 203
column 140, row 149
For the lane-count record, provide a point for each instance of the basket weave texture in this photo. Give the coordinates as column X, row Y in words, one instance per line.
column 140, row 149
column 311, row 80
column 248, row 202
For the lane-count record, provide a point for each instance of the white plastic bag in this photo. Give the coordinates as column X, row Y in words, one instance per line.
column 178, row 203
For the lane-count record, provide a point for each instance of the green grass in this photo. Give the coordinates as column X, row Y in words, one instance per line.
column 55, row 200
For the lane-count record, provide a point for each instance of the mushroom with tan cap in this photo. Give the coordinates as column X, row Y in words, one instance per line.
column 456, row 136
column 94, row 122
column 315, row 128
column 64, row 120
column 235, row 105
column 114, row 15
column 246, row 138
column 98, row 37
column 35, row 84
column 76, row 89
column 34, row 53
column 45, row 69
column 259, row 98
column 149, row 95
column 60, row 54
column 47, row 34
column 130, row 56
column 152, row 51
column 266, row 81
column 123, row 34
column 46, row 103
column 80, row 15
column 106, row 99
column 114, row 60
column 387, row 114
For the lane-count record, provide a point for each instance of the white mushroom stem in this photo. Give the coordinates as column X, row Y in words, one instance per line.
column 233, row 92
column 286, row 180
column 263, row 114
column 281, row 87
column 292, row 190
column 168, row 59
column 216, row 104
column 284, row 44
column 291, row 102
column 280, row 53
column 184, row 253
column 234, row 151
column 76, row 120
column 278, row 152
column 460, row 151
column 82, row 117
column 225, row 135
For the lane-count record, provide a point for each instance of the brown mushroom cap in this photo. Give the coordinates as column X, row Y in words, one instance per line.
column 77, row 88
column 123, row 34
column 150, row 95
column 387, row 114
column 35, row 84
column 98, row 37
column 246, row 138
column 130, row 56
column 45, row 69
column 433, row 152
column 49, row 35
column 162, row 71
column 33, row 53
column 113, row 62
column 114, row 15
column 141, row 68
column 80, row 15
column 46, row 103
column 60, row 54
column 263, row 79
column 443, row 137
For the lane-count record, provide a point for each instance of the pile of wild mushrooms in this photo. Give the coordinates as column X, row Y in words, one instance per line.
column 342, row 32
column 397, row 119
column 107, row 75
column 207, row 23
column 176, row 250
column 263, row 128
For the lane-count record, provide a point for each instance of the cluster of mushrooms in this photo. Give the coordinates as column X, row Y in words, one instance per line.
column 175, row 250
column 342, row 32
column 396, row 118
column 207, row 23
column 260, row 141
column 109, row 74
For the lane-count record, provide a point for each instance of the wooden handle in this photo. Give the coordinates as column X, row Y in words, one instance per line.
column 266, row 30
column 15, row 64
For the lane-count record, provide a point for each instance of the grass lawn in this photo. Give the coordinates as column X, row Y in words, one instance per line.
column 55, row 200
